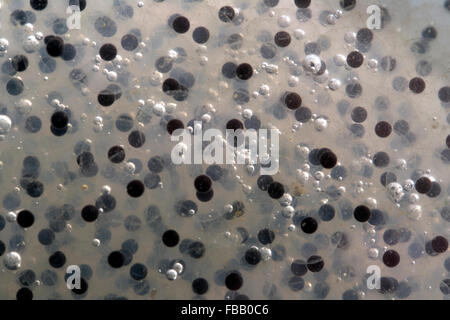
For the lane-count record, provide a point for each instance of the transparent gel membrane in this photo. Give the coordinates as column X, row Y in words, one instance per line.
column 39, row 170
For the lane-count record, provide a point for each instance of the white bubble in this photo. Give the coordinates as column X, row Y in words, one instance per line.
column 12, row 260
column 5, row 124
column 312, row 63
column 171, row 274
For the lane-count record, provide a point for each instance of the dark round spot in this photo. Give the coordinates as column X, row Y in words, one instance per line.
column 315, row 263
column 33, row 124
column 108, row 52
column 174, row 125
column 387, row 177
column 57, row 259
column 353, row 90
column 244, row 71
column 439, row 244
column 326, row 212
column 152, row 180
column 417, row 85
column 69, row 52
column 34, row 189
column 170, row 238
column 14, row 86
column 445, row 155
column 444, row 286
column 116, row 154
column 129, row 42
column 268, row 50
column 124, row 123
column 234, row 281
column 359, row 114
column 202, row 183
column 299, row 267
column 116, row 259
column 302, row 3
column 292, row 100
column 180, row 24
column 264, row 182
column 388, row 63
column 444, row 94
column 401, row 127
column 135, row 188
column 184, row 207
column 391, row 237
column 200, row 286
column 83, row 287
column 24, row 294
column 200, row 35
column 355, row 59
column 357, row 129
column 296, row 283
column 361, row 213
column 275, row 190
column 391, row 258
column 229, row 70
column 266, row 236
column 380, row 159
column 89, row 213
column 196, row 249
column 38, row 4
column 350, row 295
column 138, row 271
column 429, row 33
column 19, row 63
column 327, row 158
column 155, row 164
column 59, row 120
column 364, row 36
column 136, row 139
column 423, row 185
column 60, row 26
column 308, row 225
column 226, row 14
column 205, row 196
column 105, row 26
column 26, row 278
column 282, row 39
column 132, row 223
column 252, row 256
column 25, row 219
column 234, row 124
column 383, row 129
column 388, row 285
column 435, row 190
column 163, row 64
column 46, row 237
column 303, row 114
column 55, row 46
column 170, row 86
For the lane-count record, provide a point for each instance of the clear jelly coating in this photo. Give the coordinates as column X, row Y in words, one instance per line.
column 94, row 93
